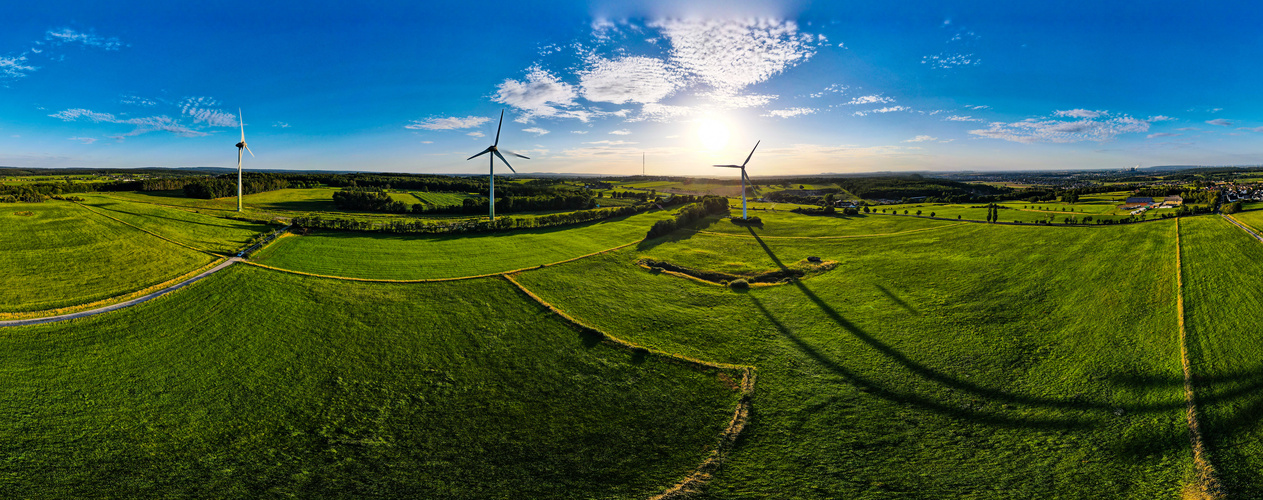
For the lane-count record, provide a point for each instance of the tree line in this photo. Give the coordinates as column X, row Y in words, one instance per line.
column 709, row 205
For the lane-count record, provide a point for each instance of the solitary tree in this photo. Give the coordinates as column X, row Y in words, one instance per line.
column 931, row 214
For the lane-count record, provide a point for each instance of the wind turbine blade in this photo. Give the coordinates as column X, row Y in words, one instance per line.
column 746, row 177
column 243, row 127
column 485, row 151
column 497, row 143
column 515, row 154
column 502, row 159
column 251, row 152
column 756, row 146
column 728, row 166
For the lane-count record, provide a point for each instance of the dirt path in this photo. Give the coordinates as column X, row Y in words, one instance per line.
column 1207, row 485
column 120, row 305
column 1242, row 226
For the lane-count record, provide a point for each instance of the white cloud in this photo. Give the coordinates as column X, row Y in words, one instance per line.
column 580, row 132
column 662, row 112
column 450, row 123
column 730, row 55
column 1159, row 118
column 978, row 107
column 621, row 132
column 726, row 99
column 922, row 138
column 790, row 112
column 888, row 109
column 142, row 125
column 535, row 130
column 1220, row 122
column 832, row 89
column 628, row 79
column 1079, row 113
column 873, row 99
column 949, row 61
column 85, row 140
column 280, row 124
column 476, row 134
column 1162, row 134
column 427, row 142
column 137, row 101
column 958, row 118
column 201, row 110
column 75, row 114
column 1187, row 129
column 15, row 67
column 611, row 143
column 1254, row 129
column 540, row 94
column 67, row 35
column 1098, row 128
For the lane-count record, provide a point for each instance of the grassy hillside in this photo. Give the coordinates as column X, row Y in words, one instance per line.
column 63, row 255
column 976, row 362
column 440, row 199
column 209, row 233
column 254, row 383
column 1223, row 306
column 390, row 256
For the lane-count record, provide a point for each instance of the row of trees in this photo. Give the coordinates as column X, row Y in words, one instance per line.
column 221, row 187
column 376, row 200
column 709, row 205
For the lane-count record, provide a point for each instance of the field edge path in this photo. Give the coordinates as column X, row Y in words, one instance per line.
column 695, row 480
column 120, row 305
column 1242, row 226
column 1207, row 485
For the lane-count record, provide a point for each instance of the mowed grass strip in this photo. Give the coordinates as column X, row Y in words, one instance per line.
column 64, row 255
column 409, row 257
column 975, row 362
column 1223, row 305
column 257, row 383
column 213, row 234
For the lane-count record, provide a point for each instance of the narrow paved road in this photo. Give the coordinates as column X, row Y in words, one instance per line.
column 1242, row 226
column 120, row 305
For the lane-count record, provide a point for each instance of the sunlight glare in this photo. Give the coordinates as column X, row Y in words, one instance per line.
column 712, row 133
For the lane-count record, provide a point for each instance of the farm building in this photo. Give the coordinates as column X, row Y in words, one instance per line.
column 1174, row 200
column 1134, row 200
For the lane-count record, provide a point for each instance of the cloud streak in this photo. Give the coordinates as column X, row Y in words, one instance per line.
column 449, row 123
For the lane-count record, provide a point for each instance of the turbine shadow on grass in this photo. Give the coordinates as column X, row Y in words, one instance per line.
column 897, row 300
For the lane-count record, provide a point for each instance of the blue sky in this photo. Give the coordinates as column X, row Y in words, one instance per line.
column 589, row 86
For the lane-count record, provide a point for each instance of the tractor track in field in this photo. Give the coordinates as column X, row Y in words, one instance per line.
column 1207, row 486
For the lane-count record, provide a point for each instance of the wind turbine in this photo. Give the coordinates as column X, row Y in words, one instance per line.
column 240, row 146
column 495, row 152
column 742, row 166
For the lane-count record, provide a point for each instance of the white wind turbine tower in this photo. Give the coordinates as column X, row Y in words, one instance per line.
column 743, row 178
column 495, row 153
column 241, row 145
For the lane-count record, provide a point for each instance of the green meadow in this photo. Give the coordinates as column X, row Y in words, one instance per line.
column 205, row 232
column 255, row 383
column 1223, row 304
column 1251, row 218
column 441, row 199
column 63, row 255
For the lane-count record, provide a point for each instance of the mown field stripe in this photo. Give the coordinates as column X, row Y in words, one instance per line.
column 837, row 237
column 436, row 280
column 1207, row 486
column 151, row 233
column 214, row 267
column 691, row 483
column 1242, row 226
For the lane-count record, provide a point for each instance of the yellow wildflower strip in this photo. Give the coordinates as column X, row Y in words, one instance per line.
column 1207, row 486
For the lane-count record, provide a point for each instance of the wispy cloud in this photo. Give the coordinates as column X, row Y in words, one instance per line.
column 832, row 89
column 948, row 61
column 1162, row 134
column 137, row 101
column 635, row 79
column 610, row 143
column 476, row 134
column 788, row 113
column 580, row 132
column 1187, row 129
column 535, row 130
column 540, row 94
column 280, row 124
column 1079, row 113
column 202, row 110
column 15, row 66
column 85, row 140
column 1100, row 127
column 1252, row 129
column 978, row 107
column 959, row 118
column 922, row 138
column 67, row 35
column 142, row 125
column 887, row 109
column 733, row 54
column 1220, row 122
column 621, row 132
column 449, row 123
column 1159, row 118
column 77, row 113
column 871, row 99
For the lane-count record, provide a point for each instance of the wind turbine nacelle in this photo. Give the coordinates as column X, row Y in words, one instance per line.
column 241, row 144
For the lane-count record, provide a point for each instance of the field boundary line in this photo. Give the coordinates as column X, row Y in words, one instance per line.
column 727, row 439
column 1207, row 486
column 151, row 233
column 738, row 235
column 144, row 296
column 436, row 280
column 1242, row 226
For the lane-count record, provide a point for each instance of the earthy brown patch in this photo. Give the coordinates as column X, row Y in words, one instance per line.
column 797, row 270
column 24, row 214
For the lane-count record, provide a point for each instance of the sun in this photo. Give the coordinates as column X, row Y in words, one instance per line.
column 712, row 133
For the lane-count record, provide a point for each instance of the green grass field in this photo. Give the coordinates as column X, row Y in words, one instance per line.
column 1035, row 212
column 64, row 255
column 201, row 231
column 1252, row 218
column 441, row 199
column 257, row 383
column 981, row 362
column 391, row 256
column 1223, row 305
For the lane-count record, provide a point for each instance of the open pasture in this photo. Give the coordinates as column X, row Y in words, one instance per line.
column 63, row 255
column 783, row 223
column 258, row 383
column 977, row 362
column 214, row 234
column 441, row 199
column 404, row 257
column 1223, row 306
column 1252, row 218
column 965, row 211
